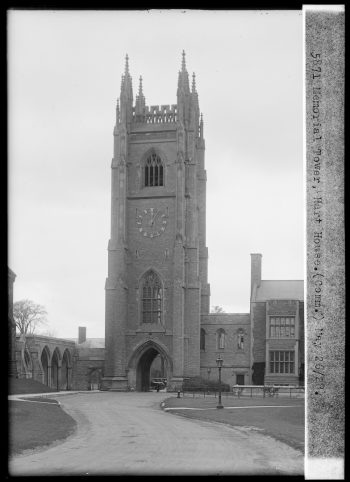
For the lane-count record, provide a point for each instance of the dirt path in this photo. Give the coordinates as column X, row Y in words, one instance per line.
column 128, row 433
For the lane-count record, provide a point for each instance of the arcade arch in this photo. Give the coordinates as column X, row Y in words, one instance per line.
column 65, row 370
column 55, row 365
column 45, row 362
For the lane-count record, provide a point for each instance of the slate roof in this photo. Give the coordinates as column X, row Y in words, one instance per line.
column 280, row 290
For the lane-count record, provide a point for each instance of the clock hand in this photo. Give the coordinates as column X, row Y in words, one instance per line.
column 153, row 219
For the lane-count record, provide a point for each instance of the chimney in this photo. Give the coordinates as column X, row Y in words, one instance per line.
column 255, row 277
column 82, row 334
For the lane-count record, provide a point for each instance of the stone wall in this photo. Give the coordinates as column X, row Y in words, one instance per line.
column 236, row 359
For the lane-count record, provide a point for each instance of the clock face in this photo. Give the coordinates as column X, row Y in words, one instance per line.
column 151, row 222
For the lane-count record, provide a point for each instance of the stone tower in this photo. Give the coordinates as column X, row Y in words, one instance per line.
column 157, row 287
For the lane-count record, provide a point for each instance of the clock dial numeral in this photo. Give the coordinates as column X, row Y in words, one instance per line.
column 151, row 222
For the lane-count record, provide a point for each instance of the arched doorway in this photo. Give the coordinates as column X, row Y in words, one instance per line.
column 45, row 357
column 54, row 370
column 95, row 378
column 143, row 378
column 148, row 357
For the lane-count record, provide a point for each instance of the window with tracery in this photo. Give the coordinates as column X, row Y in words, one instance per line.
column 221, row 339
column 154, row 171
column 151, row 298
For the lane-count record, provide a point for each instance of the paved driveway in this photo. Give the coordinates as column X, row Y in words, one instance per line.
column 128, row 433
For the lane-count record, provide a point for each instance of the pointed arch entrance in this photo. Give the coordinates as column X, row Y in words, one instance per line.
column 141, row 361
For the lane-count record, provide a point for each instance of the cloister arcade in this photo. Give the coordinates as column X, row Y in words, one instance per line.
column 45, row 359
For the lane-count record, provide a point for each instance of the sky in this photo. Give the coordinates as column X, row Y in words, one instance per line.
column 64, row 72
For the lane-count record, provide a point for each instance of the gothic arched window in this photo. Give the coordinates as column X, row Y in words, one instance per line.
column 151, row 298
column 220, row 339
column 154, row 171
column 202, row 339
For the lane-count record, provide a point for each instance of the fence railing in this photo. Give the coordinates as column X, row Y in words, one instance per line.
column 248, row 391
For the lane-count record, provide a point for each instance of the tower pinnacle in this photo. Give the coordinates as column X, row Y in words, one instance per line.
column 126, row 64
column 193, row 82
column 126, row 96
column 140, row 86
column 183, row 65
column 183, row 83
column 140, row 101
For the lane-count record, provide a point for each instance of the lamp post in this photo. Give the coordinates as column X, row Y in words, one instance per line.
column 208, row 370
column 219, row 362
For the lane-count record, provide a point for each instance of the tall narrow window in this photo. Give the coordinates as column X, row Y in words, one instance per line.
column 154, row 171
column 240, row 339
column 151, row 298
column 202, row 339
column 220, row 339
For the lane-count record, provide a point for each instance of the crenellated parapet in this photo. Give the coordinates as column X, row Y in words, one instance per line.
column 155, row 114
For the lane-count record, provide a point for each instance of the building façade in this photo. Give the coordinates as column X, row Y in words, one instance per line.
column 157, row 291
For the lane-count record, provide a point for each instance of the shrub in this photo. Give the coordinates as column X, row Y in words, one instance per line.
column 199, row 384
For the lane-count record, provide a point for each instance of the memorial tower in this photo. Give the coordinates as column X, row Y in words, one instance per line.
column 157, row 286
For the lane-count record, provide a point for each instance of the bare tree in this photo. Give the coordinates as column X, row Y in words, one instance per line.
column 28, row 316
column 216, row 309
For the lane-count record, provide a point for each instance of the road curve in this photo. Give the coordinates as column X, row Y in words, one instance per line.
column 128, row 434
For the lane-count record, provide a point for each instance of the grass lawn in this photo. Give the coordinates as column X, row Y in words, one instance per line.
column 33, row 425
column 23, row 385
column 283, row 423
